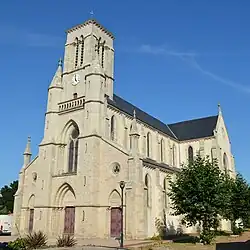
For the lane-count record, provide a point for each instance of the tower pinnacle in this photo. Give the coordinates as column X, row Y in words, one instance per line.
column 60, row 62
column 134, row 114
column 57, row 79
column 219, row 109
column 27, row 153
column 27, row 150
column 134, row 129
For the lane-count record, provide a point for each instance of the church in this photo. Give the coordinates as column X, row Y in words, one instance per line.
column 93, row 139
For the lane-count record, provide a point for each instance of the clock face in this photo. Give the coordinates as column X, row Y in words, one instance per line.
column 75, row 79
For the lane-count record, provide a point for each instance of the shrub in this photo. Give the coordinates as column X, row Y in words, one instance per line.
column 155, row 237
column 66, row 241
column 17, row 244
column 206, row 237
column 35, row 240
column 237, row 230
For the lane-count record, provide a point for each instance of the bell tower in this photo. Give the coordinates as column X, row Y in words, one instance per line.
column 83, row 42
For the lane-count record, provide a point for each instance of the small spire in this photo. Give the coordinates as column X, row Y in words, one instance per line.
column 134, row 114
column 219, row 109
column 27, row 150
column 60, row 62
column 57, row 79
column 134, row 129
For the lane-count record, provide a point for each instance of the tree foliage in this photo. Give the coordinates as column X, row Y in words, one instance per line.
column 199, row 195
column 238, row 205
column 7, row 197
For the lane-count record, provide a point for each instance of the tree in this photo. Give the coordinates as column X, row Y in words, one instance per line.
column 7, row 199
column 198, row 195
column 238, row 205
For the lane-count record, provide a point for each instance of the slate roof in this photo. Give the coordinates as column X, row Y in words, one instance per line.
column 186, row 130
column 193, row 129
column 129, row 108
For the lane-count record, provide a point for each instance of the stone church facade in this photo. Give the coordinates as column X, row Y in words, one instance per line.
column 93, row 139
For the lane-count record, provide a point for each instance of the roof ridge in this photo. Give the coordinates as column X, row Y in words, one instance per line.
column 172, row 132
column 93, row 21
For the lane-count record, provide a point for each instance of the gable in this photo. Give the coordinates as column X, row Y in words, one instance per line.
column 222, row 129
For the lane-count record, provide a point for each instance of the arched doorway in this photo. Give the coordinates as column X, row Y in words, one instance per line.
column 69, row 220
column 115, row 214
column 31, row 213
column 65, row 198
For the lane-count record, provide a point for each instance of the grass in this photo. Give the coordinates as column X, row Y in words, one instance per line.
column 180, row 246
column 189, row 246
column 176, row 245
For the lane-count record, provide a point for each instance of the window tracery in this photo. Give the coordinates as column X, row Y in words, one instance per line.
column 73, row 151
column 76, row 52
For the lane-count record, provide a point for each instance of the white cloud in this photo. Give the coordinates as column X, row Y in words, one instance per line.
column 191, row 59
column 163, row 51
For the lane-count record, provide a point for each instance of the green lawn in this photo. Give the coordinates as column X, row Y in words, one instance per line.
column 189, row 246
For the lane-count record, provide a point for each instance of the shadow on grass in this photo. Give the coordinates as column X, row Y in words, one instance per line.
column 222, row 233
column 182, row 238
column 233, row 246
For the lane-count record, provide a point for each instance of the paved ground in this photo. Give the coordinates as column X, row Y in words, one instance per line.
column 4, row 238
column 96, row 244
column 107, row 243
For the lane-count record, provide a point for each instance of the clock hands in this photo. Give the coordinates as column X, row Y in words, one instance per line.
column 75, row 79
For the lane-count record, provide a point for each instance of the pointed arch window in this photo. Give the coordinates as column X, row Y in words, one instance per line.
column 165, row 187
column 162, row 150
column 130, row 137
column 225, row 163
column 174, row 155
column 148, row 144
column 112, row 128
column 71, row 156
column 73, row 151
column 212, row 155
column 82, row 49
column 103, row 54
column 190, row 154
column 126, row 137
column 76, row 155
column 147, row 188
column 76, row 52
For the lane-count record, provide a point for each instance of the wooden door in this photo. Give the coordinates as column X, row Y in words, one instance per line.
column 115, row 222
column 69, row 220
column 31, row 220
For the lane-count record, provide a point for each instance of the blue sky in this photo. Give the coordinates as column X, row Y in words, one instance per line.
column 186, row 56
